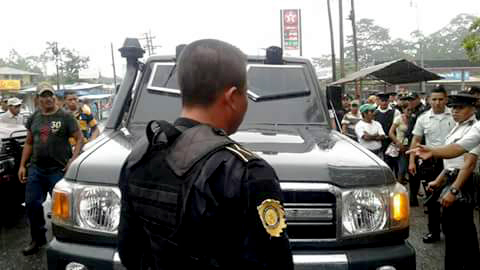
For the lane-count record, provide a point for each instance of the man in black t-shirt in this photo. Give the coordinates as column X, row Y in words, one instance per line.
column 50, row 155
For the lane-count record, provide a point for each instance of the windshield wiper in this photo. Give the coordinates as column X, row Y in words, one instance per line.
column 170, row 75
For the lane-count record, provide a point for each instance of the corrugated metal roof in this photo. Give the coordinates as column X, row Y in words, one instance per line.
column 393, row 72
column 14, row 71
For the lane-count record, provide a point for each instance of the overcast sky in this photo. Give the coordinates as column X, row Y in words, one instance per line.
column 89, row 26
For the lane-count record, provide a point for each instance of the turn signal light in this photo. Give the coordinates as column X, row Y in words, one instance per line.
column 400, row 207
column 61, row 205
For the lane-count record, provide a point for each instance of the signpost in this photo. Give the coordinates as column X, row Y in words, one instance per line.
column 291, row 32
column 10, row 85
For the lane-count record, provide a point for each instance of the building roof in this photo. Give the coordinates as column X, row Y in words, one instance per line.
column 393, row 72
column 14, row 71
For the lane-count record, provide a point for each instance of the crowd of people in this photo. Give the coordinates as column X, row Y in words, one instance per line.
column 389, row 125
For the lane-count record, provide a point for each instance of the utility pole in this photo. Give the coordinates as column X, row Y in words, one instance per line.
column 354, row 30
column 113, row 66
column 342, row 60
column 415, row 4
column 56, row 53
column 355, row 49
column 332, row 43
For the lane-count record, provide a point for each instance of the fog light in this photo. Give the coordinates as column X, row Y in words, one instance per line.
column 386, row 267
column 75, row 266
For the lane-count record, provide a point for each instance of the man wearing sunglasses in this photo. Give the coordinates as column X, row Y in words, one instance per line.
column 49, row 154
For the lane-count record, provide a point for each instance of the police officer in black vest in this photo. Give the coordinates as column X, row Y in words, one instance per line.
column 192, row 198
column 385, row 115
column 417, row 109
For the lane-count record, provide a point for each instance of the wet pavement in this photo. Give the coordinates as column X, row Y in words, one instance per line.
column 15, row 235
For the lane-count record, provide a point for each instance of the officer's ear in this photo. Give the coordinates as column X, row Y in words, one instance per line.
column 231, row 96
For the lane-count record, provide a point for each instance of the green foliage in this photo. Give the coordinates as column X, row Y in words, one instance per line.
column 471, row 43
column 375, row 44
column 69, row 61
column 15, row 60
column 446, row 43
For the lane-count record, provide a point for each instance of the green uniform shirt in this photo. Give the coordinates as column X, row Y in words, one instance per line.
column 50, row 138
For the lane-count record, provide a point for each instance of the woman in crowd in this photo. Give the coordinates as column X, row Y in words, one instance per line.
column 400, row 142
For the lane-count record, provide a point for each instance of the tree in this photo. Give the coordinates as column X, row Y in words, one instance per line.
column 374, row 44
column 15, row 60
column 471, row 43
column 70, row 61
column 447, row 43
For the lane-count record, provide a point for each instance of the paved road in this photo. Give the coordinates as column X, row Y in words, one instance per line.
column 15, row 235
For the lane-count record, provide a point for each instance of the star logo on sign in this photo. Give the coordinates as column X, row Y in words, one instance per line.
column 291, row 17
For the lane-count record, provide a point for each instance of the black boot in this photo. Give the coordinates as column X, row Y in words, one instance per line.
column 34, row 246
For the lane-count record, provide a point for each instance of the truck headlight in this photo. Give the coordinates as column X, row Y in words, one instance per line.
column 99, row 208
column 86, row 207
column 375, row 209
column 363, row 211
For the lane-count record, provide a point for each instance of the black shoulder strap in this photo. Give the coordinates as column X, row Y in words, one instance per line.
column 155, row 128
column 153, row 139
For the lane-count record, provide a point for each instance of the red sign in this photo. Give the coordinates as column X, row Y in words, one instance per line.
column 291, row 34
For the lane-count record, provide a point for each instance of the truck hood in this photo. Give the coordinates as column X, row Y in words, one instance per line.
column 8, row 130
column 313, row 154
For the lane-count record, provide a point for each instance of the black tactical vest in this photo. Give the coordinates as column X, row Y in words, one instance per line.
column 385, row 119
column 161, row 171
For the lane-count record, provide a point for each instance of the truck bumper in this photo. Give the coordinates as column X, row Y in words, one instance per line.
column 396, row 257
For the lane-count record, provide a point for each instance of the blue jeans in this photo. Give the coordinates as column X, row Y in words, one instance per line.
column 40, row 181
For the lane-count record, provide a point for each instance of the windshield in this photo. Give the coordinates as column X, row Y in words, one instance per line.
column 278, row 94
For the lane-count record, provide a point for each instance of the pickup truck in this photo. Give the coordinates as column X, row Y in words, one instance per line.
column 344, row 208
column 12, row 192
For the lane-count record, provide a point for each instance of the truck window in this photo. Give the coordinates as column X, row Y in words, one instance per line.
column 280, row 94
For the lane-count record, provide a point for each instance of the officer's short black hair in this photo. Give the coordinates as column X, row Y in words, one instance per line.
column 439, row 89
column 69, row 93
column 207, row 67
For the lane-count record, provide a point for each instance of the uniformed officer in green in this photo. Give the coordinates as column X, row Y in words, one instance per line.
column 192, row 198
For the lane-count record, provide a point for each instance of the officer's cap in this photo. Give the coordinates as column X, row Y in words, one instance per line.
column 410, row 96
column 383, row 96
column 462, row 99
column 474, row 90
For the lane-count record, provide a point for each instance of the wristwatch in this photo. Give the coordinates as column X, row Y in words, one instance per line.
column 454, row 191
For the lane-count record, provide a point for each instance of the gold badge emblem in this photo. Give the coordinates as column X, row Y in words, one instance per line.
column 272, row 216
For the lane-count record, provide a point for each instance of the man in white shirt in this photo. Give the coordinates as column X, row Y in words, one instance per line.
column 369, row 132
column 457, row 197
column 435, row 124
column 12, row 115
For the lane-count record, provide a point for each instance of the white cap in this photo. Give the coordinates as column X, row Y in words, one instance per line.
column 14, row 102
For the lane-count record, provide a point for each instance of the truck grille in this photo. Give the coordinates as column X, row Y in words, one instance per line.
column 310, row 211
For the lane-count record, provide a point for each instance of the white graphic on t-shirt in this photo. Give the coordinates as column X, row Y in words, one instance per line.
column 55, row 126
